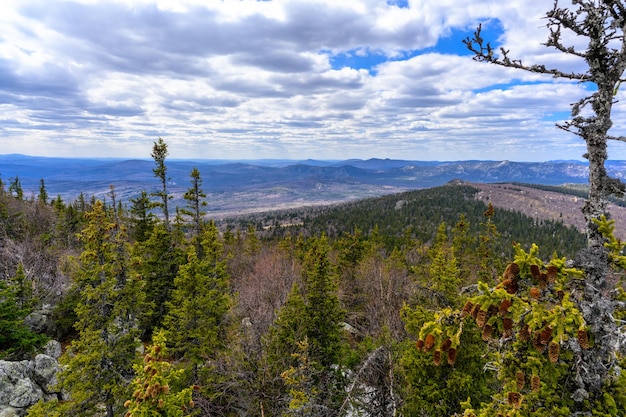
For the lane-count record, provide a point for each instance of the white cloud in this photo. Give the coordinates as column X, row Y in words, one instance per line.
column 255, row 79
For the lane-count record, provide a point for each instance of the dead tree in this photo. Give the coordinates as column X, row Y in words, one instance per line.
column 602, row 24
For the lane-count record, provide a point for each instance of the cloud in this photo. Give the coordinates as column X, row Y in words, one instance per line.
column 279, row 79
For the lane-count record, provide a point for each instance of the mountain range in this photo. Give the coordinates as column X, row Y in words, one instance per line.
column 261, row 185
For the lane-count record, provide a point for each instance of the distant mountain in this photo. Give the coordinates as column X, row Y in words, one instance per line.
column 242, row 186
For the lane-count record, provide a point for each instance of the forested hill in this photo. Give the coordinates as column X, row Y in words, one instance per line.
column 235, row 187
column 419, row 213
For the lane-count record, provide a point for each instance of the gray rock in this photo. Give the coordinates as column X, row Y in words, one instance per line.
column 43, row 370
column 39, row 321
column 53, row 349
column 8, row 412
column 23, row 383
column 16, row 388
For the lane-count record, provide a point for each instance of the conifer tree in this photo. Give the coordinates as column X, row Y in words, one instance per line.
column 142, row 220
column 195, row 321
column 430, row 388
column 98, row 365
column 305, row 341
column 153, row 389
column 288, row 329
column 43, row 193
column 593, row 32
column 323, row 309
column 16, row 339
column 15, row 188
column 195, row 201
column 156, row 261
column 159, row 153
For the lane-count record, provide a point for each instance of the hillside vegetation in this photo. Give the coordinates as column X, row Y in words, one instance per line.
column 312, row 311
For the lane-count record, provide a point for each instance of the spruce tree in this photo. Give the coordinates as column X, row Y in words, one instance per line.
column 195, row 321
column 15, row 188
column 142, row 220
column 155, row 261
column 194, row 198
column 154, row 392
column 323, row 308
column 43, row 193
column 159, row 153
column 17, row 341
column 97, row 367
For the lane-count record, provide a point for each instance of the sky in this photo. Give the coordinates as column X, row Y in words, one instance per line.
column 282, row 79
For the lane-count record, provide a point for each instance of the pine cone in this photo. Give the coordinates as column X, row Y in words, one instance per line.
column 535, row 383
column 504, row 306
column 487, row 330
column 451, row 356
column 514, row 399
column 437, row 357
column 507, row 326
column 535, row 292
column 534, row 270
column 419, row 345
column 521, row 379
column 512, row 271
column 467, row 308
column 538, row 343
column 429, row 342
column 553, row 352
column 552, row 273
column 481, row 317
column 513, row 287
column 446, row 345
column 546, row 334
column 475, row 310
column 583, row 339
column 524, row 334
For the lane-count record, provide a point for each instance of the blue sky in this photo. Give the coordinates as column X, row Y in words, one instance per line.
column 283, row 79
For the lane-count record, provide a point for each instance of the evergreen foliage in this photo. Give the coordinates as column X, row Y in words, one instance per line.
column 194, row 198
column 421, row 212
column 153, row 392
column 323, row 309
column 142, row 219
column 156, row 262
column 98, row 365
column 195, row 320
column 159, row 153
column 17, row 341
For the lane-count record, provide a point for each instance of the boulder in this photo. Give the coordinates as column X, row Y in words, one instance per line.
column 43, row 370
column 53, row 349
column 9, row 412
column 17, row 389
column 23, row 383
column 39, row 321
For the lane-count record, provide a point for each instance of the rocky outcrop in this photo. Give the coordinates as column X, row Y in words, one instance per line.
column 23, row 383
column 40, row 321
